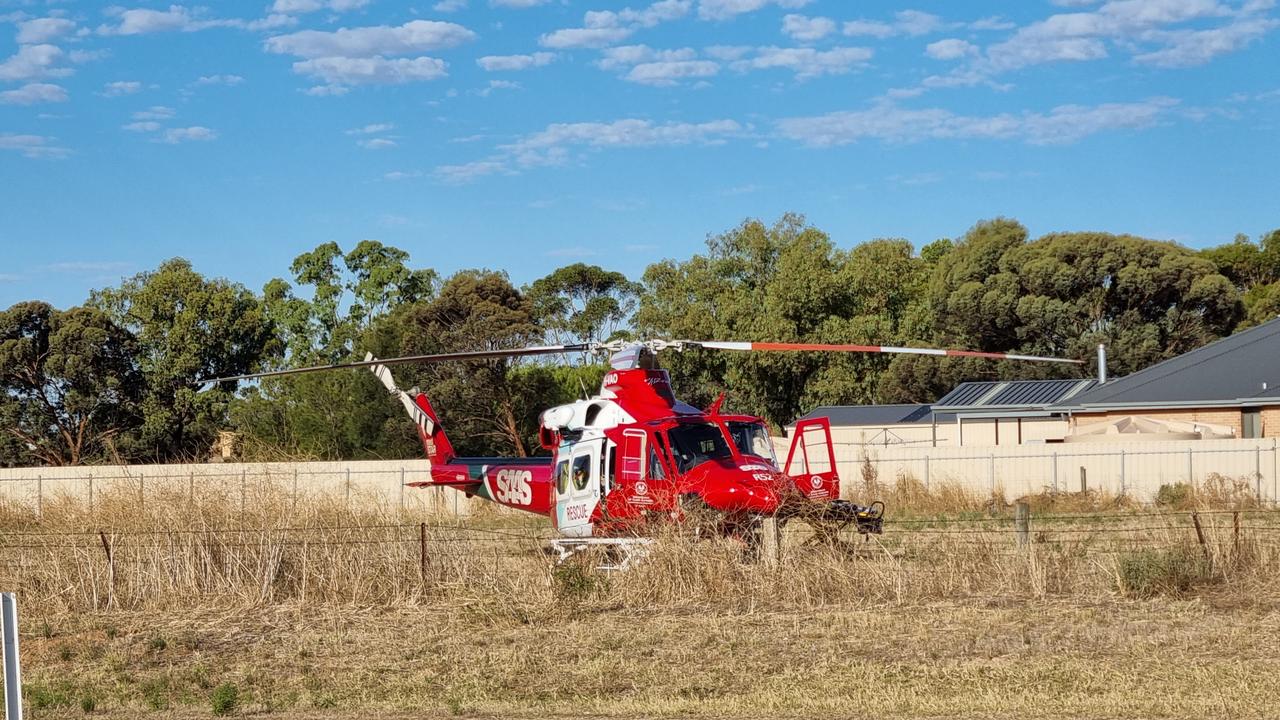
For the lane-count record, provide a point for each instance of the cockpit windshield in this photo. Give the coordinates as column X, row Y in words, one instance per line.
column 752, row 438
column 695, row 443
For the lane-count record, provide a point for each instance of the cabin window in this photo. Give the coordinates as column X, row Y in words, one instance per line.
column 581, row 471
column 562, row 477
column 752, row 438
column 696, row 443
column 655, row 465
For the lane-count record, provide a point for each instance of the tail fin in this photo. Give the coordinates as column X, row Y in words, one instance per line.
column 434, row 441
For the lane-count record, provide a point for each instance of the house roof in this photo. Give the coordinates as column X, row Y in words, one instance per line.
column 872, row 414
column 1009, row 394
column 1241, row 369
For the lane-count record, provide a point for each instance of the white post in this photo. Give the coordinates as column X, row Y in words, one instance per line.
column 12, row 664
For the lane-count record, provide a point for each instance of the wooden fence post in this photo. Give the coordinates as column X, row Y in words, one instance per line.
column 111, row 569
column 1204, row 547
column 422, row 551
column 1022, row 523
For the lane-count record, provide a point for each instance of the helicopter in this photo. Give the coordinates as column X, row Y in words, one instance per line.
column 633, row 456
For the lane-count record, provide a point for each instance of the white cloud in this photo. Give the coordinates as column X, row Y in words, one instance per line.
column 905, row 22
column 33, row 146
column 726, row 9
column 517, row 3
column 376, row 143
column 155, row 112
column 494, row 85
column 142, row 21
column 34, row 93
column 327, row 91
column 381, row 40
column 396, row 175
column 32, row 62
column 807, row 29
column 552, row 145
column 338, row 71
column 218, row 80
column 468, row 172
column 448, row 6
column 570, row 38
column 669, row 72
column 496, row 63
column 142, row 126
column 601, row 28
column 296, row 7
column 121, row 87
column 889, row 123
column 1185, row 48
column 194, row 133
column 950, row 49
column 806, row 63
column 42, row 30
column 371, row 129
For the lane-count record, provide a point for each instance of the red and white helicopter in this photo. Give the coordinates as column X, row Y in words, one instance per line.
column 633, row 455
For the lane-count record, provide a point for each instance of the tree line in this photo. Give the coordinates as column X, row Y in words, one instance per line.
column 112, row 380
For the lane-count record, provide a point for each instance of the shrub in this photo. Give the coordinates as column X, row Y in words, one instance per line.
column 1172, row 571
column 225, row 699
column 88, row 704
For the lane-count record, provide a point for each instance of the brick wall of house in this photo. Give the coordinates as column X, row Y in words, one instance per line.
column 1215, row 416
column 1271, row 422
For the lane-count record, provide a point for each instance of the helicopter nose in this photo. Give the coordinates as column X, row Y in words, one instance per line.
column 742, row 492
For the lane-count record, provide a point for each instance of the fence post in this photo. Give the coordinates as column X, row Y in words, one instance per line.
column 1191, row 478
column 401, row 487
column 991, row 473
column 111, row 569
column 422, row 551
column 1257, row 473
column 1123, row 484
column 926, row 472
column 12, row 661
column 191, row 487
column 1084, row 481
column 1022, row 523
column 1195, row 520
column 1055, row 470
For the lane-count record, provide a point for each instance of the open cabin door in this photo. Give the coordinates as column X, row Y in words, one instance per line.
column 811, row 461
column 578, row 477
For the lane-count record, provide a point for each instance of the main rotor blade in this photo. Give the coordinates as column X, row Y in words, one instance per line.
column 440, row 357
column 756, row 346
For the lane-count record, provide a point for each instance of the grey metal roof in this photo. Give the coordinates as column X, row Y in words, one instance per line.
column 996, row 394
column 1231, row 371
column 872, row 414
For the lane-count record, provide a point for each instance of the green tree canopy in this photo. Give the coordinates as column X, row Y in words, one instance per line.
column 1061, row 295
column 187, row 327
column 583, row 303
column 782, row 282
column 69, row 386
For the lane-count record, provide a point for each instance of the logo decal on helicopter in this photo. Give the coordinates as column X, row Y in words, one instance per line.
column 642, row 488
column 816, row 481
column 512, row 487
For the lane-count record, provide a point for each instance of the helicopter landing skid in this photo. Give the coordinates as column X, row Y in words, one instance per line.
column 617, row 554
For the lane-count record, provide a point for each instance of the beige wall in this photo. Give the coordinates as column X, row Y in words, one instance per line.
column 378, row 482
column 1271, row 422
column 1134, row 468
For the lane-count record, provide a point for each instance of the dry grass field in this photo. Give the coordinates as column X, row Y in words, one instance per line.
column 192, row 608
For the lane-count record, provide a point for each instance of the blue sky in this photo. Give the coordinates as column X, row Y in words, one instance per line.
column 528, row 134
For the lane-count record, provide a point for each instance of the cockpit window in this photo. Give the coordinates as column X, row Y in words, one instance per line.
column 753, row 439
column 695, row 443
